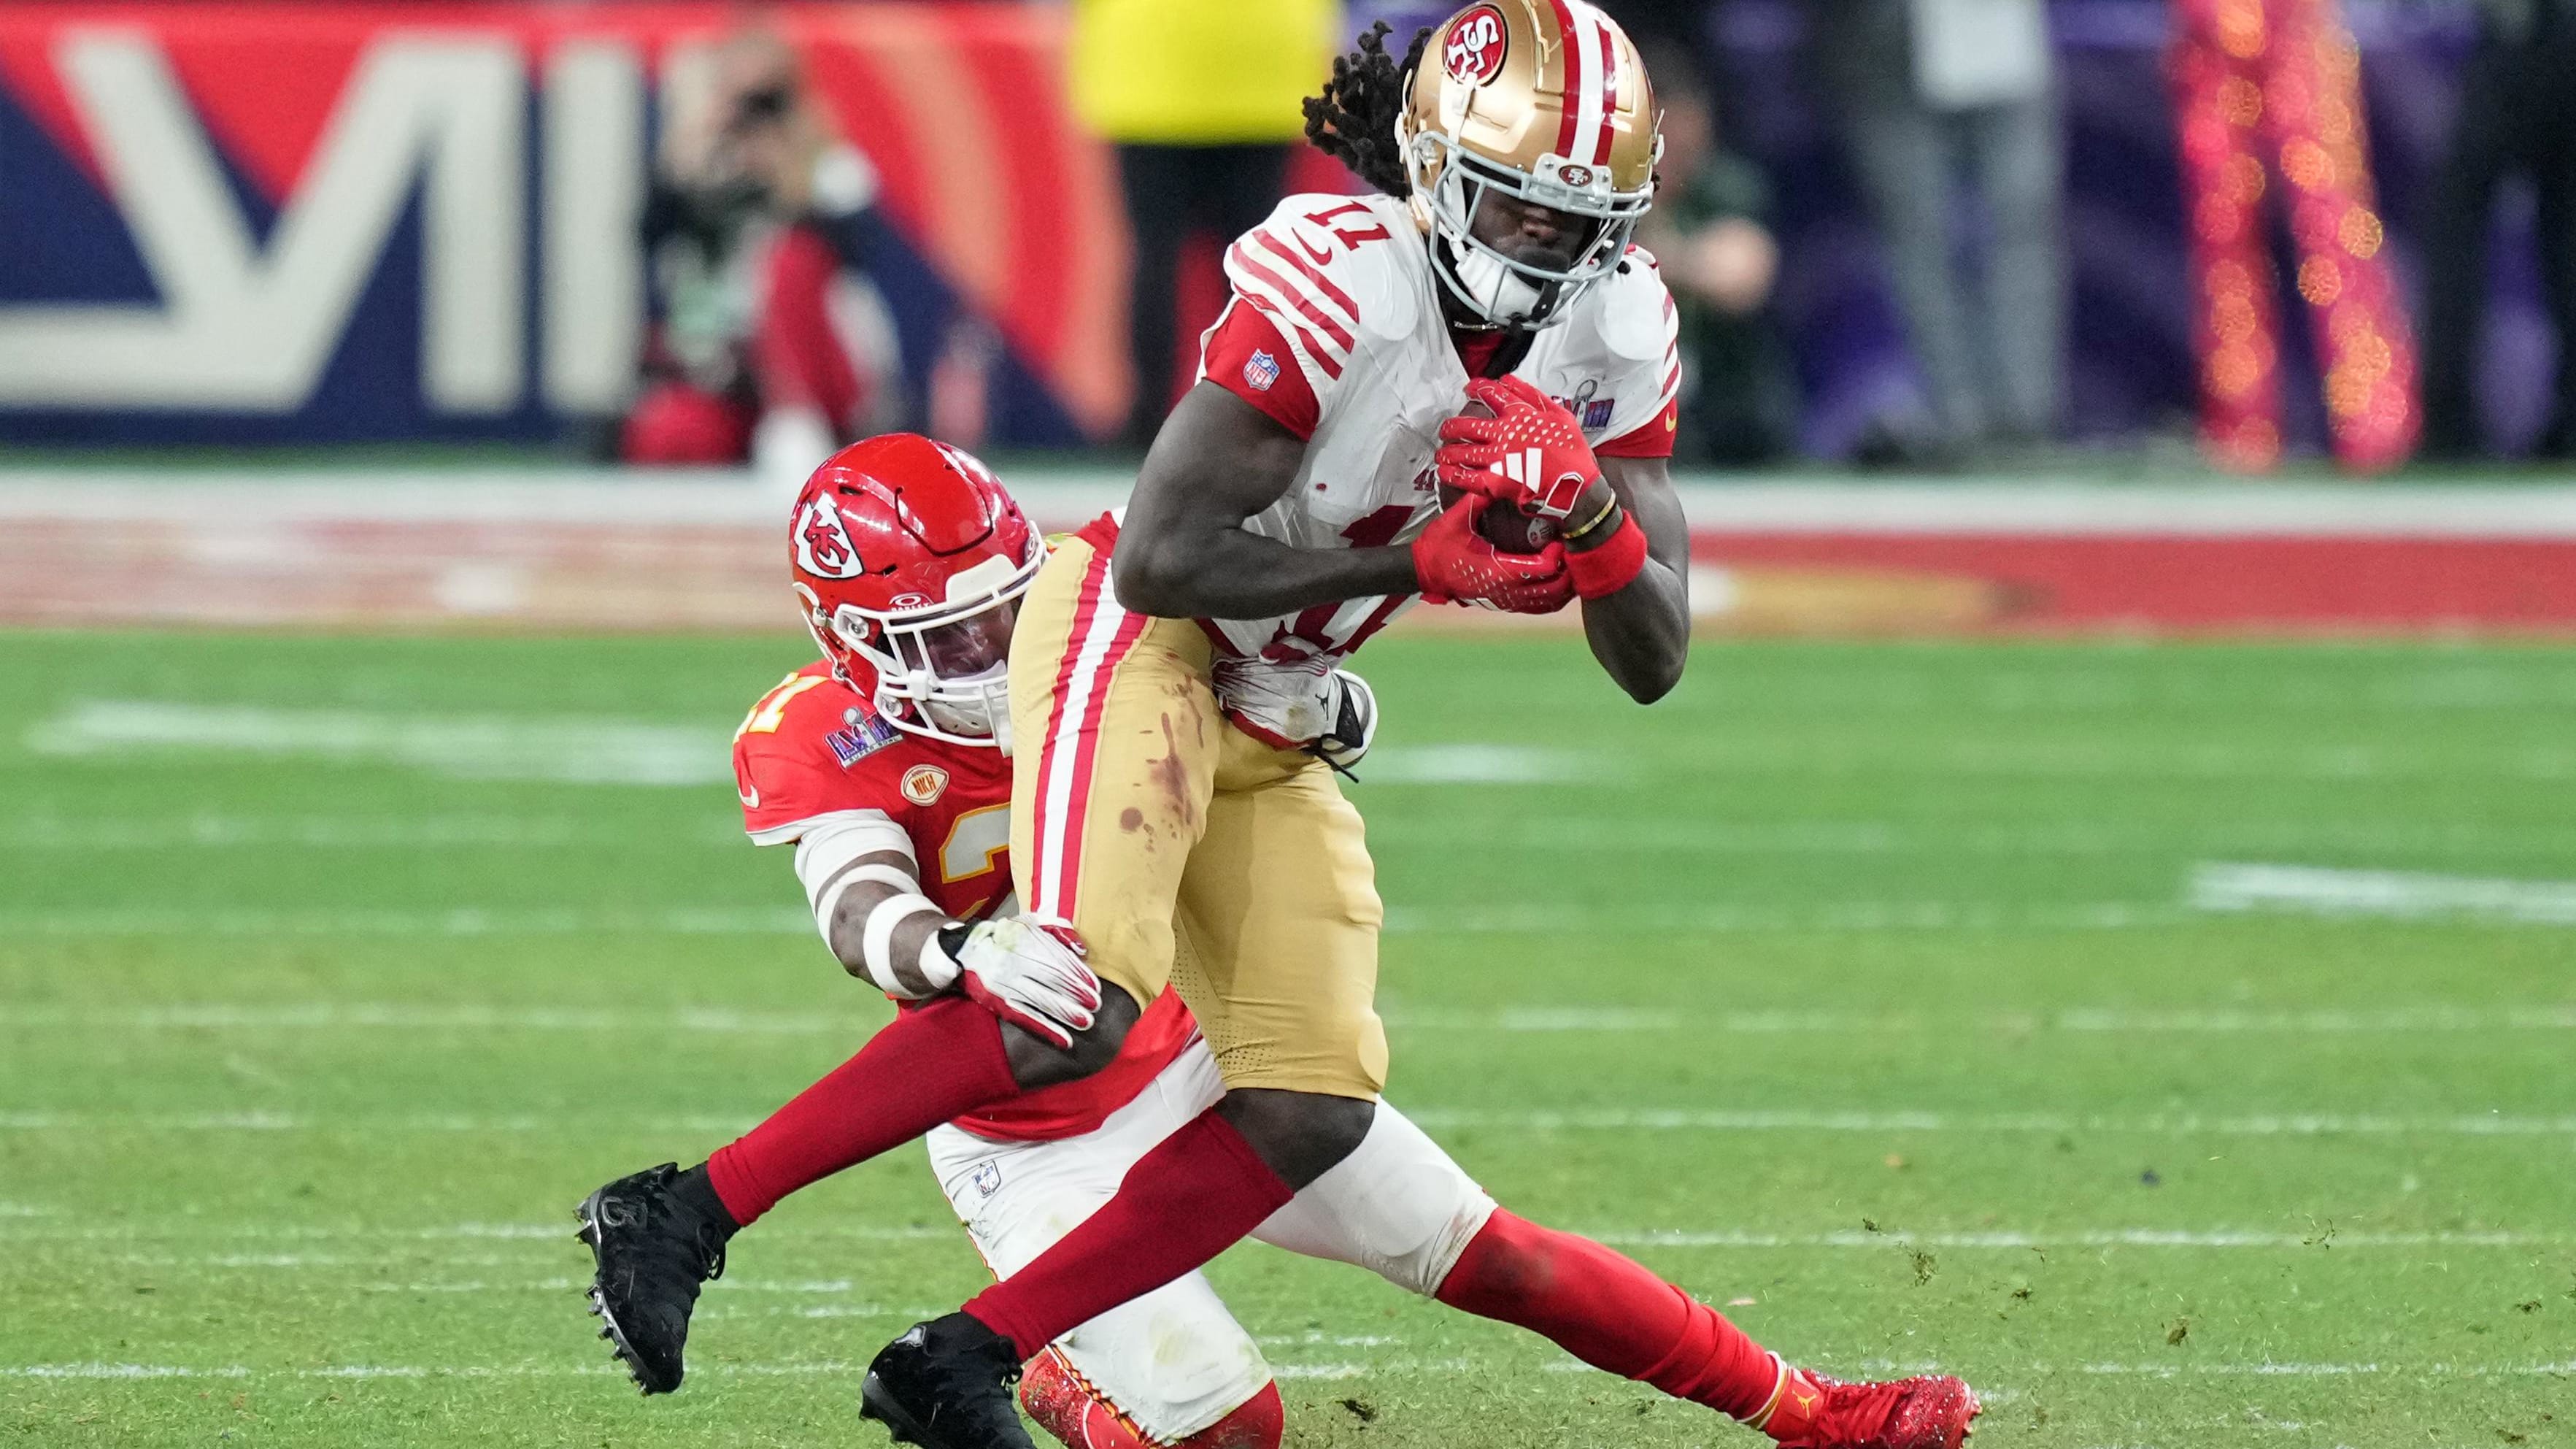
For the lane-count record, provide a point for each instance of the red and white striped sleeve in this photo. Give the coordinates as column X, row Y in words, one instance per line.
column 1294, row 274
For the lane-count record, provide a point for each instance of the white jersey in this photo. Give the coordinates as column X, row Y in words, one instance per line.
column 1347, row 282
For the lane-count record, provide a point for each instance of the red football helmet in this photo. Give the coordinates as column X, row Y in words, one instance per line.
column 911, row 559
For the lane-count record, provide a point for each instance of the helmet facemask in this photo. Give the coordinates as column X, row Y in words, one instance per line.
column 942, row 670
column 1451, row 183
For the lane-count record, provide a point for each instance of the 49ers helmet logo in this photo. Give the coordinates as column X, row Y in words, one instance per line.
column 1473, row 53
column 823, row 546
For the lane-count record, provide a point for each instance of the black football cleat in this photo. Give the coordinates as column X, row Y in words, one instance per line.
column 946, row 1384
column 653, row 1240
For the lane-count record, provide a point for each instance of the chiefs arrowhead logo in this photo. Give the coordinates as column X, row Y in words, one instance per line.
column 823, row 546
column 1474, row 51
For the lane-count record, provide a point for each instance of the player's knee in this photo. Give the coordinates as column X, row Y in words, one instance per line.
column 1299, row 1134
column 1037, row 1062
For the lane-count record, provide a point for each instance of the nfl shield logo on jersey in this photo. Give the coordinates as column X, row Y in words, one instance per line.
column 1596, row 413
column 1260, row 371
column 988, row 1178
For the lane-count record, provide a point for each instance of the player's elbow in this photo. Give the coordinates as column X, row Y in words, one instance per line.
column 1653, row 678
column 1153, row 574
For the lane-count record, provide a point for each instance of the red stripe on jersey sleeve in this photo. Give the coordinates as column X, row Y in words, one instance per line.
column 1245, row 355
column 1652, row 439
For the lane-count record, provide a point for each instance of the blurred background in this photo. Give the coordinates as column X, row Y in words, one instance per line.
column 427, row 258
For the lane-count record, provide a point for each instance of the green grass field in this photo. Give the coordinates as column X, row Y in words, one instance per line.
column 1902, row 991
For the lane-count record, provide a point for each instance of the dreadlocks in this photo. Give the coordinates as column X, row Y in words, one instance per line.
column 1353, row 121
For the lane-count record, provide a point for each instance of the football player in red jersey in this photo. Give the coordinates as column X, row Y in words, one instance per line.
column 882, row 764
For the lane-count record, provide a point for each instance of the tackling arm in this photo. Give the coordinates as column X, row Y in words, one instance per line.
column 1641, row 634
column 854, row 867
column 1183, row 552
column 865, row 888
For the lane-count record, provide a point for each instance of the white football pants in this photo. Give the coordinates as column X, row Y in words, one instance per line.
column 1175, row 1361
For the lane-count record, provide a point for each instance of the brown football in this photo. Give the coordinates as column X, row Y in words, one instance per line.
column 1507, row 528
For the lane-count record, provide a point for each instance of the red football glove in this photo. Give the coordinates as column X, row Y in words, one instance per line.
column 1530, row 453
column 1453, row 561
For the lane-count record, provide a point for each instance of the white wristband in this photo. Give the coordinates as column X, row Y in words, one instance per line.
column 876, row 944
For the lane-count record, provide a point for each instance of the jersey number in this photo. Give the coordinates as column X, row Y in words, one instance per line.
column 1351, row 236
column 973, row 840
column 771, row 711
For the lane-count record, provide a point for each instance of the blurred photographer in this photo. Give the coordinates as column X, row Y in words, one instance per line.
column 770, row 344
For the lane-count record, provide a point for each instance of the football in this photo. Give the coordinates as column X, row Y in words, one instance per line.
column 1507, row 528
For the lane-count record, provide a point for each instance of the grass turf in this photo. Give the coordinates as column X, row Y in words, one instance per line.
column 1861, row 983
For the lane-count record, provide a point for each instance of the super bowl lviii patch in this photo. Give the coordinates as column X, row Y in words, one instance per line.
column 860, row 739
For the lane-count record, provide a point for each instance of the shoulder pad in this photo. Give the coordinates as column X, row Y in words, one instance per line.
column 1333, row 267
column 1631, row 311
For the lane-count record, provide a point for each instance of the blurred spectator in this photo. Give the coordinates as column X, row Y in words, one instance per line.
column 1929, row 88
column 1709, row 232
column 1203, row 101
column 770, row 344
column 2517, row 114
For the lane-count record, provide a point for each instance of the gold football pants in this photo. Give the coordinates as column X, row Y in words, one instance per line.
column 1139, row 814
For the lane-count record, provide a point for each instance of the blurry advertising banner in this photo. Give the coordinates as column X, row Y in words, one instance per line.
column 253, row 223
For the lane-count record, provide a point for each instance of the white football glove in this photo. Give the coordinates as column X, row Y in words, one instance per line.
column 1028, row 972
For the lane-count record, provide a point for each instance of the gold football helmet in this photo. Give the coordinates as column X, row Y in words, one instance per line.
column 1543, row 100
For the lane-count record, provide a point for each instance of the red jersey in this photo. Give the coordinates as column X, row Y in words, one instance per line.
column 813, row 749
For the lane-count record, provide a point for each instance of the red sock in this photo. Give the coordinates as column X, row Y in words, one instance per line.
column 1073, row 1409
column 932, row 1063
column 1197, row 1193
column 1610, row 1312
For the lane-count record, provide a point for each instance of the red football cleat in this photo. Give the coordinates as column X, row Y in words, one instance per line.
column 1815, row 1412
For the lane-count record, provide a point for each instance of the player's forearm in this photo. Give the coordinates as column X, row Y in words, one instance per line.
column 1641, row 634
column 848, row 936
column 1222, row 572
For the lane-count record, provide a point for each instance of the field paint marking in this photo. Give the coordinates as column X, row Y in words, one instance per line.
column 1665, row 1119
column 1839, row 916
column 163, row 1230
column 2322, row 1124
column 459, row 921
column 490, row 1016
column 561, row 748
column 1829, row 916
column 1486, row 764
column 329, row 832
column 1894, row 838
column 2121, row 1238
column 2397, row 894
column 1324, row 1371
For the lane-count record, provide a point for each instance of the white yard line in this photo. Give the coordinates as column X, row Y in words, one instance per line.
column 1327, row 1371
column 482, row 920
column 250, row 1016
column 563, row 749
column 1614, row 1119
column 1486, row 764
column 2226, row 886
column 2317, row 1124
column 453, row 921
column 219, row 831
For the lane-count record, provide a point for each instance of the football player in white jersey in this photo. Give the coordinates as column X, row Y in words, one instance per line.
column 1174, row 673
